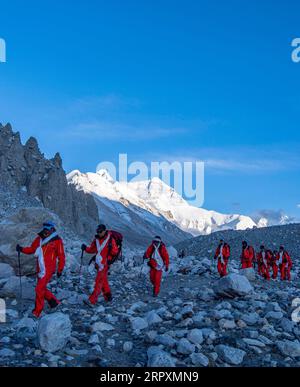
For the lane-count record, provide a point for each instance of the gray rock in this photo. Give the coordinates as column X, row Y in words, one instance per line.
column 102, row 327
column 251, row 318
column 274, row 315
column 195, row 336
column 185, row 347
column 230, row 355
column 199, row 360
column 233, row 285
column 127, row 346
column 289, row 348
column 159, row 358
column 11, row 289
column 165, row 340
column 6, row 271
column 54, row 331
column 153, row 318
column 6, row 352
column 248, row 273
column 139, row 323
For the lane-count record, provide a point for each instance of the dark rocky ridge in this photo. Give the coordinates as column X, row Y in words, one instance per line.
column 24, row 168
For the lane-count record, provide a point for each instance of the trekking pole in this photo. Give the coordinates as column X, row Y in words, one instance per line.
column 81, row 264
column 20, row 277
column 142, row 267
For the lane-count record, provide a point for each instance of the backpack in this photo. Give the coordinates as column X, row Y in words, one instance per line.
column 118, row 237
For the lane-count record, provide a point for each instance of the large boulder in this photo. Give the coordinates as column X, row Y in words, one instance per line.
column 159, row 358
column 11, row 288
column 233, row 285
column 6, row 271
column 54, row 331
column 248, row 273
column 22, row 227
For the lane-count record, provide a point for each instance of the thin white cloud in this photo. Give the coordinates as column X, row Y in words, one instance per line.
column 234, row 160
column 119, row 131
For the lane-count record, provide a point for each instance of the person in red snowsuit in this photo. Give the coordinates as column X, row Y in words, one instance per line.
column 274, row 261
column 264, row 260
column 105, row 248
column 285, row 264
column 247, row 256
column 158, row 257
column 222, row 254
column 48, row 248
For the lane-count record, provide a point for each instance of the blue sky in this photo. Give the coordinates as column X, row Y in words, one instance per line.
column 162, row 80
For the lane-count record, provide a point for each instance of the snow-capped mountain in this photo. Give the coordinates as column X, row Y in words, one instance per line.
column 197, row 221
column 120, row 208
column 152, row 207
column 267, row 218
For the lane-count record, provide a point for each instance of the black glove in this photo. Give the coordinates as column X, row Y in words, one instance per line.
column 19, row 248
column 59, row 274
column 166, row 269
column 83, row 247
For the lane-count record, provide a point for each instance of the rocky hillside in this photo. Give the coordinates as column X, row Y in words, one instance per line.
column 198, row 320
column 25, row 172
column 271, row 237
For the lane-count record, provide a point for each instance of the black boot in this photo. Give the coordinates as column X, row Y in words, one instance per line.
column 53, row 303
column 108, row 297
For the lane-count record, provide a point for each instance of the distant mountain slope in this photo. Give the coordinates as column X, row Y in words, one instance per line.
column 145, row 208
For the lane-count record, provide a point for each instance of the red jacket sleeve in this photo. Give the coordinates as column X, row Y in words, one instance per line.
column 32, row 249
column 61, row 256
column 165, row 256
column 92, row 249
column 149, row 252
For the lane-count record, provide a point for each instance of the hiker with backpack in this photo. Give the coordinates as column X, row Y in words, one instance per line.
column 107, row 251
column 48, row 247
column 264, row 258
column 247, row 256
column 222, row 254
column 158, row 259
column 285, row 264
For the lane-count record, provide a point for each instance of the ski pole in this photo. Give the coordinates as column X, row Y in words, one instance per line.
column 20, row 277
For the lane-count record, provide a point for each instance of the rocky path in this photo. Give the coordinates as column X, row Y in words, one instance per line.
column 188, row 325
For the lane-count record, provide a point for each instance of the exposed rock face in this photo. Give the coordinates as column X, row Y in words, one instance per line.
column 25, row 168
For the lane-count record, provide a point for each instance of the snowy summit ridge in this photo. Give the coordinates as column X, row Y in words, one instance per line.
column 154, row 199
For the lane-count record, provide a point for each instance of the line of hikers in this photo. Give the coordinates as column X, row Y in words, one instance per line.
column 48, row 248
column 265, row 260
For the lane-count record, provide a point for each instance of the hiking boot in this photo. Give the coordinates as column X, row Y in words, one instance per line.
column 53, row 303
column 108, row 297
column 88, row 303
